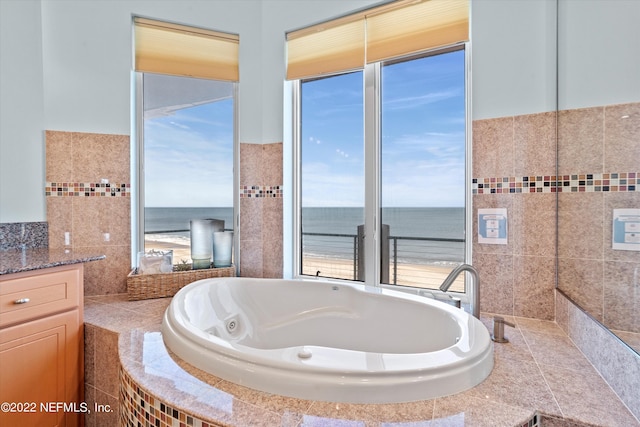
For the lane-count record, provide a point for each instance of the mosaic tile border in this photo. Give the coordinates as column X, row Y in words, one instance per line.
column 86, row 189
column 573, row 183
column 139, row 408
column 249, row 191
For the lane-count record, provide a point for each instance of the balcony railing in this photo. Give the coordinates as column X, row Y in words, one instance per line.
column 410, row 259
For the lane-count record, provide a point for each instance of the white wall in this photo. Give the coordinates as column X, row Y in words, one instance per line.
column 88, row 55
column 513, row 57
column 599, row 47
column 21, row 112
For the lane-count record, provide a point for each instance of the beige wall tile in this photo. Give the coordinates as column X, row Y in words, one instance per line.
column 580, row 140
column 261, row 217
column 533, row 286
column 496, row 282
column 580, row 225
column 562, row 311
column 87, row 158
column 534, row 224
column 251, row 218
column 621, row 295
column 272, row 164
column 251, row 164
column 251, row 258
column 493, row 147
column 581, row 280
column 108, row 276
column 58, row 156
column 98, row 156
column 272, row 237
column 89, row 354
column 60, row 220
column 535, row 144
column 622, row 138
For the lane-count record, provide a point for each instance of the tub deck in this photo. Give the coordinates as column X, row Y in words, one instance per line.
column 535, row 373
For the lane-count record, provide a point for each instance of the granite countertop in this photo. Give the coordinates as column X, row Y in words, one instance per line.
column 17, row 260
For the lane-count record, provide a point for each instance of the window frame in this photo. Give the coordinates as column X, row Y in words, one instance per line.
column 137, row 172
column 372, row 174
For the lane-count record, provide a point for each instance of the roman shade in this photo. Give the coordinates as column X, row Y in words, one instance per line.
column 389, row 31
column 179, row 50
column 335, row 46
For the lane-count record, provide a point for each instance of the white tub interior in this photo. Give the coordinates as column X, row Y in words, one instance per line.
column 321, row 341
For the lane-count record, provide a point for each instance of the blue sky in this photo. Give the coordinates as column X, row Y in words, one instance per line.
column 190, row 155
column 423, row 136
column 189, row 160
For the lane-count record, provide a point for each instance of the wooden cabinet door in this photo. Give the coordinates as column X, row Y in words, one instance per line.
column 37, row 360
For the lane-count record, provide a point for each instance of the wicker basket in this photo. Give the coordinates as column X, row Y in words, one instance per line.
column 147, row 286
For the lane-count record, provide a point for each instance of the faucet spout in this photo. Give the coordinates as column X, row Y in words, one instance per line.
column 474, row 286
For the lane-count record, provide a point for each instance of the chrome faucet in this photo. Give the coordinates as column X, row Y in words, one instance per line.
column 475, row 285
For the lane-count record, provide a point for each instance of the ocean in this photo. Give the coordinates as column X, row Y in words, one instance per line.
column 161, row 220
column 331, row 232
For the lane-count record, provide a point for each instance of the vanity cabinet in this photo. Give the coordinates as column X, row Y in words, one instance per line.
column 41, row 347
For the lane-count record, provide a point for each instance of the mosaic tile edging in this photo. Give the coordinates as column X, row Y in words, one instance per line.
column 572, row 183
column 86, row 189
column 248, row 191
column 139, row 408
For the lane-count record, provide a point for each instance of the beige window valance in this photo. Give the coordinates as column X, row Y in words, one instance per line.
column 181, row 50
column 389, row 31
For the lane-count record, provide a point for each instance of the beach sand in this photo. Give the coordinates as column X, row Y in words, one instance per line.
column 415, row 275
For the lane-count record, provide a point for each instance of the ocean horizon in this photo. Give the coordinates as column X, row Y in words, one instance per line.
column 419, row 235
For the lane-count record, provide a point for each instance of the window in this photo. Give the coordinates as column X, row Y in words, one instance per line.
column 332, row 175
column 188, row 157
column 186, row 133
column 412, row 165
column 422, row 169
column 381, row 139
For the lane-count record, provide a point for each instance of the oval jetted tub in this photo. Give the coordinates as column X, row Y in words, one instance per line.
column 321, row 341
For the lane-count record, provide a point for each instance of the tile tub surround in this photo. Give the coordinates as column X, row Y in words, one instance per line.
column 512, row 156
column 604, row 140
column 261, row 214
column 539, row 371
column 514, row 167
column 95, row 213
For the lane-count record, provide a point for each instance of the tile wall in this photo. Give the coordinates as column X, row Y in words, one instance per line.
column 514, row 167
column 602, row 144
column 261, row 210
column 87, row 193
column 513, row 161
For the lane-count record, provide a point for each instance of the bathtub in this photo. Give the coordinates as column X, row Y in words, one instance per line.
column 330, row 342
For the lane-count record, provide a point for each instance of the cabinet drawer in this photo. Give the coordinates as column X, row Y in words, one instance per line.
column 25, row 297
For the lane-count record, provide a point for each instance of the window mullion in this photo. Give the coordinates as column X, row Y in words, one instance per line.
column 372, row 172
